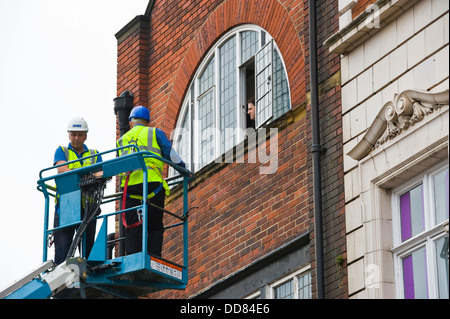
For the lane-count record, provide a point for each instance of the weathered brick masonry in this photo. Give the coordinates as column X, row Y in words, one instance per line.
column 242, row 215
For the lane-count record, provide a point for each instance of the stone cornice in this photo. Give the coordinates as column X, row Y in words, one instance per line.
column 406, row 109
column 367, row 24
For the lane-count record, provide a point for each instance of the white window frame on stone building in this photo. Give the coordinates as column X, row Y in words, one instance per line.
column 420, row 215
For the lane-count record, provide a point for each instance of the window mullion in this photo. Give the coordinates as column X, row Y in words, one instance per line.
column 296, row 286
column 431, row 267
column 239, row 93
column 196, row 126
column 191, row 127
column 217, row 127
column 428, row 206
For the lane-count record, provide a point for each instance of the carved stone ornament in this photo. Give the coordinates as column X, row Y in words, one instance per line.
column 406, row 109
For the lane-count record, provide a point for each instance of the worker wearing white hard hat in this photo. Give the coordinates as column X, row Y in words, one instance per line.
column 77, row 124
column 77, row 129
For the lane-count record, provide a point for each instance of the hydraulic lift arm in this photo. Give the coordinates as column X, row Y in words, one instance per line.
column 47, row 280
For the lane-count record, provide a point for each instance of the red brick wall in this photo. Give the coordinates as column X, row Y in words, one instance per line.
column 242, row 215
column 132, row 62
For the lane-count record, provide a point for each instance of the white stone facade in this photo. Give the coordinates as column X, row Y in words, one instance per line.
column 395, row 82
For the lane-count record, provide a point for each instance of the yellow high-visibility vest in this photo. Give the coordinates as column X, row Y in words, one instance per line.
column 145, row 139
column 72, row 156
column 82, row 162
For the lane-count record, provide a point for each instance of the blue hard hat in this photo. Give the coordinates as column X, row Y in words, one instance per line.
column 140, row 112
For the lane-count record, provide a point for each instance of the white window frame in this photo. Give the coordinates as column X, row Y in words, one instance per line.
column 265, row 76
column 241, row 114
column 427, row 238
column 187, row 107
column 197, row 137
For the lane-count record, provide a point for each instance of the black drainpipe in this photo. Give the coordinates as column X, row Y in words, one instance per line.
column 316, row 149
column 122, row 108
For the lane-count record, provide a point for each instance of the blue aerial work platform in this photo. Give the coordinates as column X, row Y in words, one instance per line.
column 99, row 275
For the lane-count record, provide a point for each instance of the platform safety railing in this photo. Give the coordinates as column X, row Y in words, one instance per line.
column 110, row 168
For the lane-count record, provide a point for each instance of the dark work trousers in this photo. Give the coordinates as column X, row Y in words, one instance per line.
column 63, row 238
column 155, row 229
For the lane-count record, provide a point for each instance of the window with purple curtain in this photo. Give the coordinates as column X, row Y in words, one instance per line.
column 415, row 275
column 412, row 213
column 422, row 243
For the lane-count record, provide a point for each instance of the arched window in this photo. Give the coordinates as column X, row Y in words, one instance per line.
column 243, row 64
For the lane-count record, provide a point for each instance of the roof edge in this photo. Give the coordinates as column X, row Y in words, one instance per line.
column 140, row 21
column 149, row 9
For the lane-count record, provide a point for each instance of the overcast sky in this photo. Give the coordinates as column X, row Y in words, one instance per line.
column 57, row 60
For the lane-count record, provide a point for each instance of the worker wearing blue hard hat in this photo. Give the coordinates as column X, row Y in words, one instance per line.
column 155, row 141
column 140, row 112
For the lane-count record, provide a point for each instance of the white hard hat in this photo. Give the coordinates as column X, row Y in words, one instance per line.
column 77, row 124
